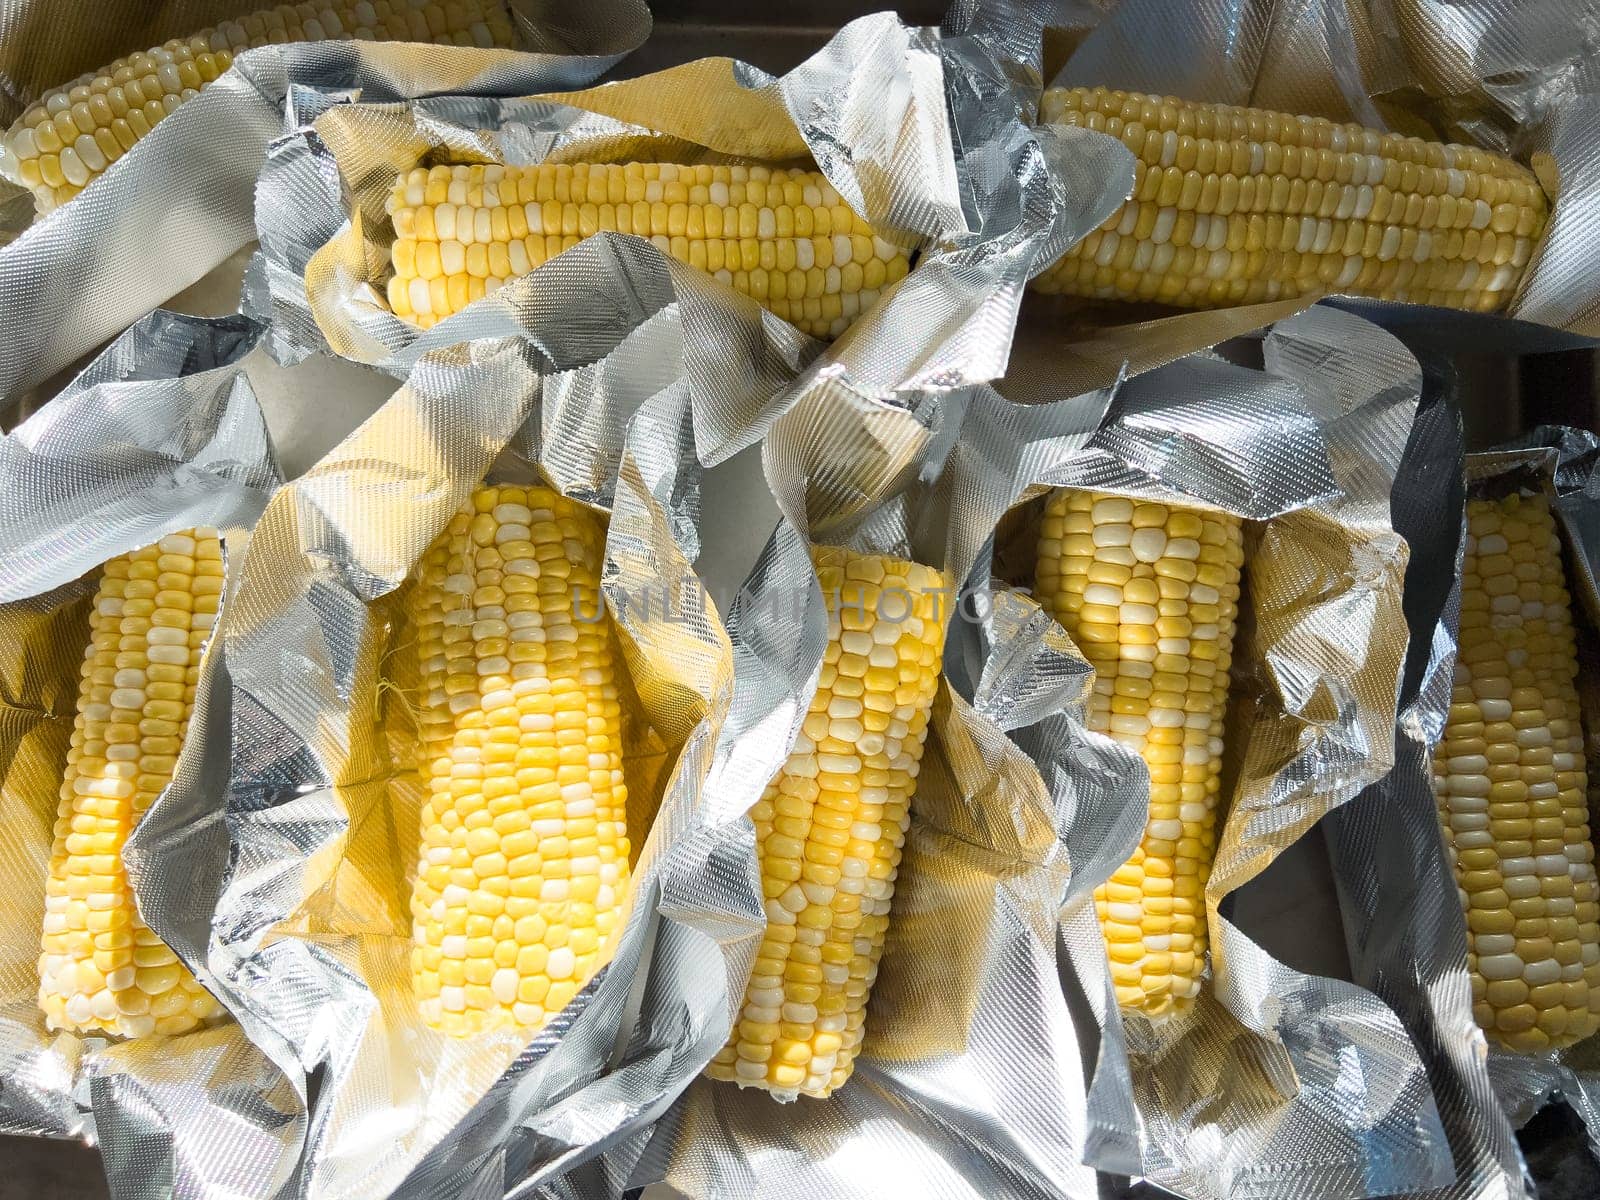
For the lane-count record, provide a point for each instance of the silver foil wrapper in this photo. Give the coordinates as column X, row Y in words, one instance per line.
column 917, row 131
column 183, row 199
column 1258, row 1091
column 618, row 375
column 1313, row 1076
column 1397, row 891
column 1511, row 77
column 159, row 434
column 969, row 1082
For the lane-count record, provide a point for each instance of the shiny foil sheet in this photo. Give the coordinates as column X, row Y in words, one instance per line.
column 917, row 131
column 1311, row 1075
column 605, row 384
column 159, row 434
column 1258, row 1091
column 182, row 200
column 1515, row 78
column 969, row 1082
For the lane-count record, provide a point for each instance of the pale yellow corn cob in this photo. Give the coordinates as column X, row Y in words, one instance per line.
column 101, row 969
column 1149, row 592
column 782, row 237
column 1238, row 205
column 831, row 824
column 1511, row 783
column 524, row 848
column 72, row 133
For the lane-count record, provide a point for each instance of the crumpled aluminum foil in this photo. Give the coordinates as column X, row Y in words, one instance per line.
column 182, row 200
column 916, row 130
column 1313, row 1076
column 614, row 356
column 160, row 433
column 1259, row 1088
column 1397, row 891
column 295, row 901
column 969, row 1083
column 1516, row 78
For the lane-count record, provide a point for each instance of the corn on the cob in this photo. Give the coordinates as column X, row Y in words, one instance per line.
column 100, row 966
column 1238, row 205
column 1149, row 592
column 1510, row 779
column 782, row 237
column 831, row 824
column 73, row 132
column 523, row 860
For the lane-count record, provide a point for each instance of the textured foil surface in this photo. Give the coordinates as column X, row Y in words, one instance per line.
column 918, row 132
column 1398, row 896
column 969, row 1082
column 1517, row 78
column 158, row 434
column 182, row 200
column 619, row 373
column 1312, row 1076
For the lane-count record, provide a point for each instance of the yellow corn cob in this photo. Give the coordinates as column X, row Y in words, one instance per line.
column 831, row 824
column 100, row 966
column 782, row 237
column 73, row 132
column 1238, row 205
column 524, row 847
column 1510, row 779
column 1150, row 592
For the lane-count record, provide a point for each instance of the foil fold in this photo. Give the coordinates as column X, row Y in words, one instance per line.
column 916, row 131
column 160, row 433
column 183, row 198
column 604, row 383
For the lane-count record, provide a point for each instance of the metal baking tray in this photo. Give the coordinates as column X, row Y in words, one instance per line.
column 1290, row 909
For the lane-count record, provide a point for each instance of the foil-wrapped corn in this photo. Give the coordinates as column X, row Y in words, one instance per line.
column 524, row 847
column 1238, row 205
column 72, row 133
column 1150, row 593
column 101, row 968
column 1510, row 778
column 781, row 236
